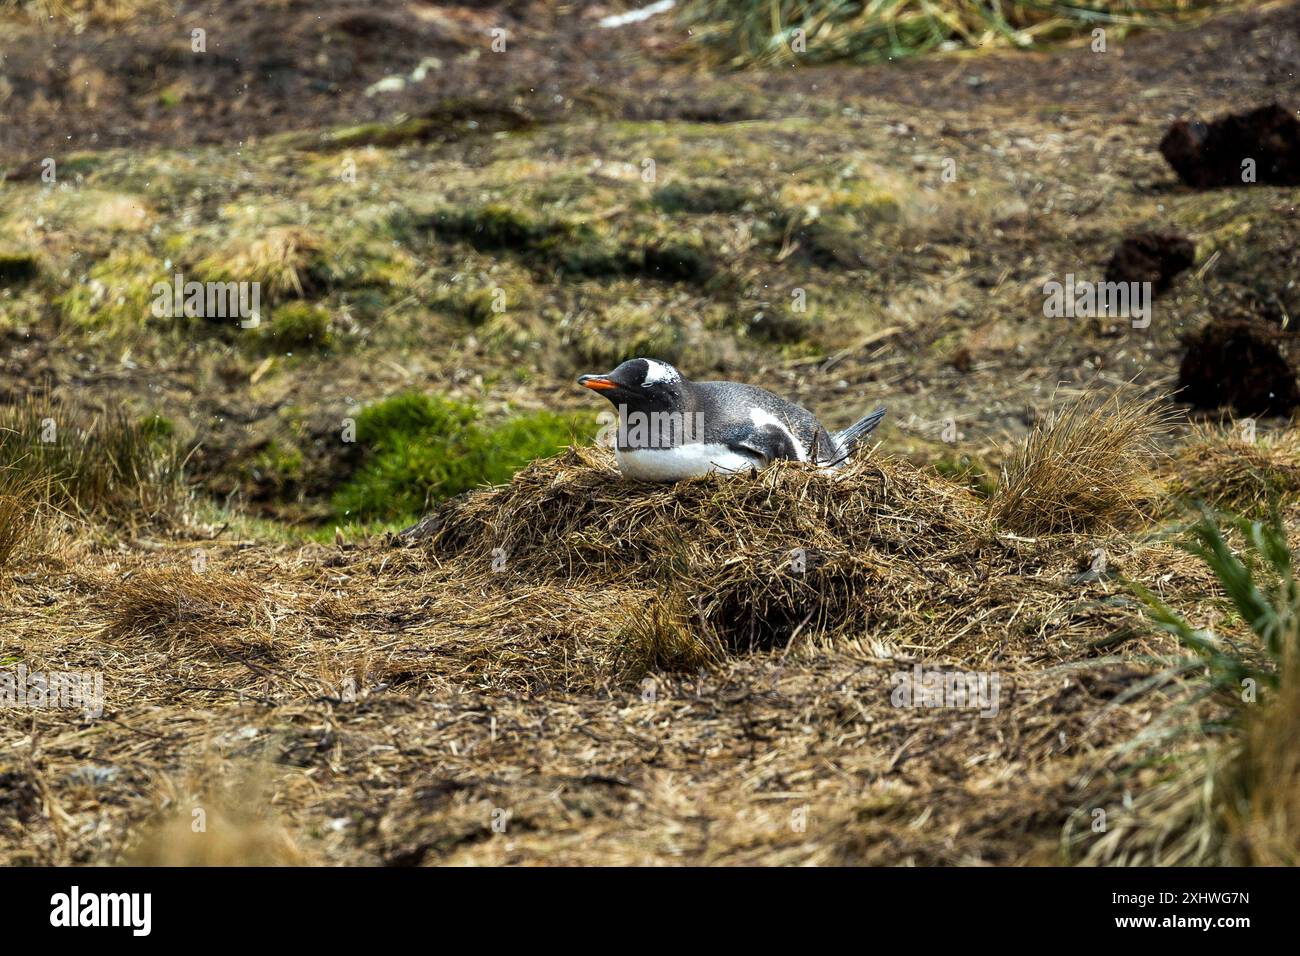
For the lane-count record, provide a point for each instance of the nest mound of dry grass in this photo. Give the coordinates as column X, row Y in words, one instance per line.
column 737, row 562
column 574, row 516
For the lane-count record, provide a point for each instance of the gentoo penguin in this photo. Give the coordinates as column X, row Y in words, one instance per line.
column 672, row 428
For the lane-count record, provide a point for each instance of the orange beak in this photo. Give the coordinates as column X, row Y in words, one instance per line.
column 597, row 383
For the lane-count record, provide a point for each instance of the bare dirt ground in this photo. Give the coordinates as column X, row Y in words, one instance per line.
column 364, row 702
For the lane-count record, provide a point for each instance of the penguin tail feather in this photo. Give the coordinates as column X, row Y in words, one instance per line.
column 847, row 440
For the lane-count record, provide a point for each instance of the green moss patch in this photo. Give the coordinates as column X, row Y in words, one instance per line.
column 280, row 464
column 417, row 449
column 296, row 326
column 117, row 293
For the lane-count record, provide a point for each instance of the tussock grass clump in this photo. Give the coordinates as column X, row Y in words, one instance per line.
column 1236, row 470
column 22, row 501
column 289, row 262
column 111, row 467
column 766, row 30
column 1082, row 469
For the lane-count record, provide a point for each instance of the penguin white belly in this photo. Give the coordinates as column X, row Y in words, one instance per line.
column 684, row 461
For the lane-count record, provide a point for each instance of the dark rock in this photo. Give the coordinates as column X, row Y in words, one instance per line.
column 1238, row 364
column 1151, row 257
column 1211, row 154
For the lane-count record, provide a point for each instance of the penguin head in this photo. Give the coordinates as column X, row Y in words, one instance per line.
column 639, row 384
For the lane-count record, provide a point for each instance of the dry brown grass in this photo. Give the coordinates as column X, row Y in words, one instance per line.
column 109, row 466
column 1087, row 467
column 659, row 638
column 22, row 500
column 1170, row 816
column 619, row 578
column 1263, row 809
column 212, row 822
column 183, row 603
column 753, row 561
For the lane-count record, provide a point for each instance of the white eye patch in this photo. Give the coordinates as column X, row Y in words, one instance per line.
column 657, row 372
